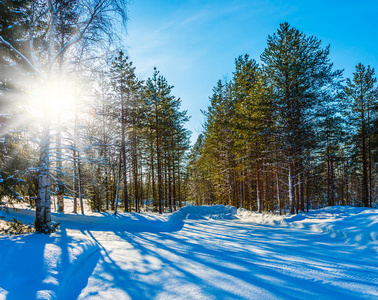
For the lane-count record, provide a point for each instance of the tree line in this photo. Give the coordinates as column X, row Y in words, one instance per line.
column 288, row 134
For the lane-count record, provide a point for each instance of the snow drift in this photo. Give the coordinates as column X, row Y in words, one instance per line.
column 132, row 222
column 358, row 225
column 207, row 212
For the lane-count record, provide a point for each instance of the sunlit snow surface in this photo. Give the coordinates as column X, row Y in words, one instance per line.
column 197, row 253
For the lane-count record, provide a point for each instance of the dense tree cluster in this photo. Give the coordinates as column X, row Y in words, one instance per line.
column 288, row 135
column 139, row 142
column 76, row 121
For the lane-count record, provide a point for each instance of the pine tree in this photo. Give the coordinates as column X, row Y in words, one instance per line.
column 252, row 120
column 126, row 86
column 297, row 70
column 361, row 92
column 163, row 122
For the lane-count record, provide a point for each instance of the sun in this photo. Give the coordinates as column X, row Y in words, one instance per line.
column 53, row 98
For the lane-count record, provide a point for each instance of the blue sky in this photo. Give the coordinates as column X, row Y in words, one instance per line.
column 194, row 43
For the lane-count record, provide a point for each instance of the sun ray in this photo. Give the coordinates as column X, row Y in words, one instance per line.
column 53, row 98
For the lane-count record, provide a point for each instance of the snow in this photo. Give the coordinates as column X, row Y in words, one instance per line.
column 358, row 225
column 206, row 252
column 37, row 266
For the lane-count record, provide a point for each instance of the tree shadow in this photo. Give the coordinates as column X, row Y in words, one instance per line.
column 39, row 266
column 191, row 259
column 76, row 278
column 264, row 260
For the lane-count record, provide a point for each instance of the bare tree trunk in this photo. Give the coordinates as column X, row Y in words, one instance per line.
column 105, row 151
column 81, row 189
column 75, row 155
column 278, row 191
column 290, row 178
column 155, row 204
column 174, row 186
column 43, row 201
column 307, row 194
column 159, row 169
column 106, row 185
column 342, row 192
column 365, row 183
column 59, row 166
column 118, row 188
column 165, row 182
column 258, row 188
column 76, row 188
column 169, row 185
column 179, row 184
column 123, row 148
column 328, row 154
column 370, row 187
column 125, row 193
column 135, row 167
column 332, row 182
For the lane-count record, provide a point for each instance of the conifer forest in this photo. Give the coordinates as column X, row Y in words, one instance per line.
column 129, row 171
column 287, row 133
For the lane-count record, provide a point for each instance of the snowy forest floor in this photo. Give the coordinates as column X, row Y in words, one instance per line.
column 208, row 252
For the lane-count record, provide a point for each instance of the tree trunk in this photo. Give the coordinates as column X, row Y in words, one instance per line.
column 258, row 188
column 290, row 178
column 123, row 150
column 179, row 184
column 43, row 201
column 278, row 192
column 170, row 185
column 155, row 204
column 158, row 158
column 81, row 186
column 118, row 188
column 174, row 186
column 75, row 183
column 365, row 188
column 59, row 166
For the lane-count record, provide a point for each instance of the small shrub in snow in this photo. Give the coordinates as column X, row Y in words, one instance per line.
column 48, row 228
column 15, row 227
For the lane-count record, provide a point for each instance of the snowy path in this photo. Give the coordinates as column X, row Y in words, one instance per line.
column 228, row 259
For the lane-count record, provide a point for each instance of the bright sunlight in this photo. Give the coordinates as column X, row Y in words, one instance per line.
column 53, row 98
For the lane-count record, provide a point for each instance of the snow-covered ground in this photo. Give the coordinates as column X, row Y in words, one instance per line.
column 209, row 252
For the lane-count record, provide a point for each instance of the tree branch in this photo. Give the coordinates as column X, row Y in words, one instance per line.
column 11, row 48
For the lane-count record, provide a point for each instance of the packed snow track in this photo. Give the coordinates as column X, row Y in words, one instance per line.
column 211, row 255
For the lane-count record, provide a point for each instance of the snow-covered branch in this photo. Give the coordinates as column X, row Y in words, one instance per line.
column 24, row 58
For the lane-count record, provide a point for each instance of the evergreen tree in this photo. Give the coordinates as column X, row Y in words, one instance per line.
column 163, row 121
column 298, row 70
column 361, row 92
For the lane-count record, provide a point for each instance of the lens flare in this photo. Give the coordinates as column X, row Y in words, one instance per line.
column 53, row 98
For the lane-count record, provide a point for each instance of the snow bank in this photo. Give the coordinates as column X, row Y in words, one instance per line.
column 176, row 220
column 208, row 212
column 38, row 266
column 132, row 222
column 359, row 225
